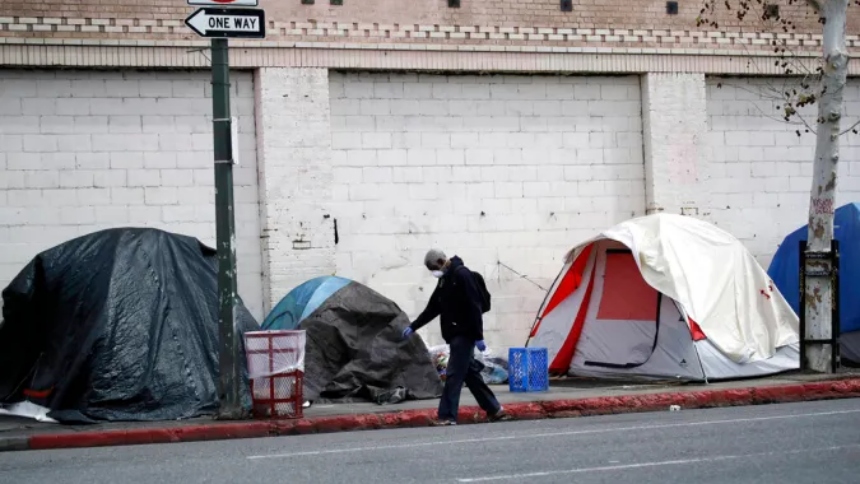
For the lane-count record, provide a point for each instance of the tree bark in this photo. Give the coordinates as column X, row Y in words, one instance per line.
column 818, row 293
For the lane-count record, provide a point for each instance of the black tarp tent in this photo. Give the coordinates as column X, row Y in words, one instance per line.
column 120, row 324
column 354, row 350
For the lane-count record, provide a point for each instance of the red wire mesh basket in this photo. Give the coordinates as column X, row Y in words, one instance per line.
column 276, row 367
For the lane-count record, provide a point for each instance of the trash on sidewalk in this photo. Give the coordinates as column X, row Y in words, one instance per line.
column 276, row 364
column 354, row 350
column 27, row 410
column 117, row 325
column 390, row 397
column 494, row 372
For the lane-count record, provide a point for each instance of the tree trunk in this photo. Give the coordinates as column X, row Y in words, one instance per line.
column 818, row 291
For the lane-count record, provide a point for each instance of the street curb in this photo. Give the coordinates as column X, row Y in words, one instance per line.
column 833, row 389
column 14, row 443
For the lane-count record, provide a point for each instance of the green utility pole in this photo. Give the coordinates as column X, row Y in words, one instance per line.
column 230, row 363
column 219, row 24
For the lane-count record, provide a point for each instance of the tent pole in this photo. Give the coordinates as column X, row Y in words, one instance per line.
column 543, row 305
column 695, row 346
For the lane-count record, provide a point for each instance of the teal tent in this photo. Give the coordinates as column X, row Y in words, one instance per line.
column 302, row 301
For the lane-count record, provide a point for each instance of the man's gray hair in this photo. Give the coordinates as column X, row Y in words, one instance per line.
column 433, row 257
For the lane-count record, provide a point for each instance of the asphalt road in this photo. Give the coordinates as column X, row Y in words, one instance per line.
column 815, row 442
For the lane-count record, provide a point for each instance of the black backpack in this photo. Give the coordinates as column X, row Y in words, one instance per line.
column 486, row 298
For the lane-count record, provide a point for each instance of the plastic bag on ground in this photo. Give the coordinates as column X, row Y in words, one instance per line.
column 494, row 371
column 391, row 397
column 439, row 354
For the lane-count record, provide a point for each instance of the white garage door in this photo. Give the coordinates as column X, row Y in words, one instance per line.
column 510, row 169
column 82, row 151
column 761, row 169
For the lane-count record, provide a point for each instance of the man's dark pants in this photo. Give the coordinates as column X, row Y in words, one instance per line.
column 463, row 367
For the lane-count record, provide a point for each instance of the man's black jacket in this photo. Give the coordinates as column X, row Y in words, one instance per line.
column 458, row 302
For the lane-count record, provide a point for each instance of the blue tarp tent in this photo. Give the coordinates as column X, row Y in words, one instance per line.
column 785, row 272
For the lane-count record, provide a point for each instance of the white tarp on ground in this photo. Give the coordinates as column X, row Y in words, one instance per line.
column 717, row 282
column 27, row 410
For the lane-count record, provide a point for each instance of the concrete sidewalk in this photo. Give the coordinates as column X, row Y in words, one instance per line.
column 566, row 398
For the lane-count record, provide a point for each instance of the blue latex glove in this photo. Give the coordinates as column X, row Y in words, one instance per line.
column 482, row 347
column 407, row 332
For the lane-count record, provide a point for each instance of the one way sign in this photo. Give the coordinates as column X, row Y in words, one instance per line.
column 228, row 23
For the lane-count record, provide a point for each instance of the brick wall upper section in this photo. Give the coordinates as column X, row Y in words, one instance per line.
column 82, row 151
column 505, row 169
column 760, row 169
column 616, row 23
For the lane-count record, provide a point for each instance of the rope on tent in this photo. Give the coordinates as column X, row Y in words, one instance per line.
column 528, row 279
column 30, row 376
column 521, row 276
column 543, row 303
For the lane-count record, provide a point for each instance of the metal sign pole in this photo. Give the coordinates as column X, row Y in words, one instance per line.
column 836, row 355
column 820, row 264
column 804, row 365
column 221, row 24
column 230, row 364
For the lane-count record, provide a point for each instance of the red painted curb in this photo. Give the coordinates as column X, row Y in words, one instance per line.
column 833, row 389
column 191, row 433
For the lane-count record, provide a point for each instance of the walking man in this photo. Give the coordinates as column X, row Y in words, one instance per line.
column 459, row 302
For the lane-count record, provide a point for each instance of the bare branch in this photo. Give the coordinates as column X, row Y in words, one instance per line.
column 775, row 95
column 815, row 5
column 799, row 116
column 796, row 59
column 799, row 68
column 806, row 123
column 793, row 88
column 853, row 126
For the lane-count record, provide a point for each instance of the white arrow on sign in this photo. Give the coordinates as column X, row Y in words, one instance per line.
column 222, row 22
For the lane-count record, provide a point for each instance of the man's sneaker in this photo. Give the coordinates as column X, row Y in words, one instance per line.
column 500, row 416
column 443, row 423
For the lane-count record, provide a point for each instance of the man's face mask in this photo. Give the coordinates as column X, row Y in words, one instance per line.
column 437, row 269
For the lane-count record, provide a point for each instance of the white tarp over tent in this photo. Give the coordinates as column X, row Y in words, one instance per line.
column 670, row 295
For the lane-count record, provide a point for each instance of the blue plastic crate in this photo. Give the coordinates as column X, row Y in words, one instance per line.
column 528, row 370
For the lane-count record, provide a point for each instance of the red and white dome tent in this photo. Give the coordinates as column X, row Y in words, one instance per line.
column 666, row 296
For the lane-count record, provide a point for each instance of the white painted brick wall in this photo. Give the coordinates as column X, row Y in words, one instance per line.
column 82, row 151
column 761, row 170
column 674, row 111
column 509, row 169
column 294, row 145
